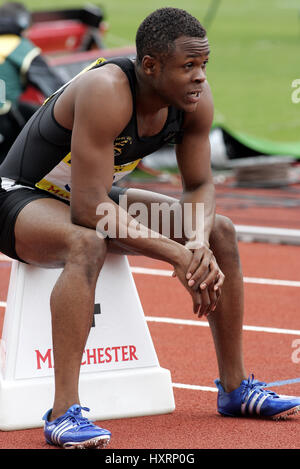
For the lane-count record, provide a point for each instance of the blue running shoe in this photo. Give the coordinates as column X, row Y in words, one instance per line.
column 73, row 431
column 252, row 399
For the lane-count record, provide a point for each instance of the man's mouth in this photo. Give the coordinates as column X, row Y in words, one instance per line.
column 193, row 96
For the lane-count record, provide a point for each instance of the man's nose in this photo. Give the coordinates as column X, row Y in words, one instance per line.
column 200, row 76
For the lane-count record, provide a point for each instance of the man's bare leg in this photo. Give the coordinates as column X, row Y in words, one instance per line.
column 46, row 237
column 226, row 321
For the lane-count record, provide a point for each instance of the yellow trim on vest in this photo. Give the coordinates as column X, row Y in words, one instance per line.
column 126, row 167
column 8, row 43
column 49, row 186
column 67, row 159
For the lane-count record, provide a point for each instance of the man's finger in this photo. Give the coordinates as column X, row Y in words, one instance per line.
column 196, row 260
column 220, row 281
column 196, row 302
column 205, row 303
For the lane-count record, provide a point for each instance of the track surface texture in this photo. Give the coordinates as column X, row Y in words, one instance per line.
column 184, row 344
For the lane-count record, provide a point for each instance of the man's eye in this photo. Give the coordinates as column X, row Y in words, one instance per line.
column 189, row 65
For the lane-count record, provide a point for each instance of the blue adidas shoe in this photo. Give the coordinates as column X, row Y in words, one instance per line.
column 72, row 430
column 252, row 399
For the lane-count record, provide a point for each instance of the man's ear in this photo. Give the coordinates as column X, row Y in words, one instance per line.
column 149, row 64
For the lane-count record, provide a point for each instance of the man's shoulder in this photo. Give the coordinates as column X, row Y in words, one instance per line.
column 107, row 84
column 103, row 96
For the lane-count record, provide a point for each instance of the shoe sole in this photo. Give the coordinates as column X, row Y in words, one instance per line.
column 282, row 416
column 99, row 442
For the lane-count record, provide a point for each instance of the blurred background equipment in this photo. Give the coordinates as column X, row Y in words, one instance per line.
column 21, row 64
column 65, row 30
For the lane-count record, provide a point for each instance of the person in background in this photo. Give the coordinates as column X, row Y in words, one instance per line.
column 21, row 64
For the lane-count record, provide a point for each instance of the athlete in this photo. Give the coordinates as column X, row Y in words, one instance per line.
column 61, row 169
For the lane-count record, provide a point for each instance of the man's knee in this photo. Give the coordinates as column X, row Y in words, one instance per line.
column 223, row 231
column 223, row 241
column 87, row 250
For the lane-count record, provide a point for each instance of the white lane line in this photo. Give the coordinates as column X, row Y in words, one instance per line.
column 262, row 281
column 147, row 271
column 194, row 387
column 190, row 322
column 270, row 281
column 168, row 273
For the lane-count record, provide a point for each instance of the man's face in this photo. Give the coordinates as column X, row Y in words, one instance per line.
column 179, row 80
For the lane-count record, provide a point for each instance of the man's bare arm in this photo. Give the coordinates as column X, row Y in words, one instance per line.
column 100, row 114
column 193, row 156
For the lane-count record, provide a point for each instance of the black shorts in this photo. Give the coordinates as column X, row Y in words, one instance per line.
column 13, row 201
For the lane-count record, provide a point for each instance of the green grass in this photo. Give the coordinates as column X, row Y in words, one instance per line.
column 255, row 48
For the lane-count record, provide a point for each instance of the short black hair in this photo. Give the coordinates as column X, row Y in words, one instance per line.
column 159, row 30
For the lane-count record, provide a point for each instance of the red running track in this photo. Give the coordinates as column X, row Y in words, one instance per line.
column 188, row 352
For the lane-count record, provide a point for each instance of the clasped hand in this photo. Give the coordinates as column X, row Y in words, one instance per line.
column 202, row 277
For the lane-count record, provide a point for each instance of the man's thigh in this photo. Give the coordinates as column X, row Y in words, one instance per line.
column 44, row 233
column 159, row 212
column 168, row 216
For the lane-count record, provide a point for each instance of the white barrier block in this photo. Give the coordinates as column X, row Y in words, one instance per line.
column 120, row 372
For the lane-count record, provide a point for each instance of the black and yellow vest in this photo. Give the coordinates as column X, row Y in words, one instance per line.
column 41, row 156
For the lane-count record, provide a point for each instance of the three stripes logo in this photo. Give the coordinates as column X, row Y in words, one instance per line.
column 60, row 429
column 253, row 402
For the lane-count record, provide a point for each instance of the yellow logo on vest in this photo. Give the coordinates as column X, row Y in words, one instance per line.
column 120, row 143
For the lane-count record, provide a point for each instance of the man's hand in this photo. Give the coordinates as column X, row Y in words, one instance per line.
column 180, row 271
column 202, row 278
column 204, row 273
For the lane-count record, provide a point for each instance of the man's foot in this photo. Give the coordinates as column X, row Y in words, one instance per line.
column 252, row 399
column 72, row 430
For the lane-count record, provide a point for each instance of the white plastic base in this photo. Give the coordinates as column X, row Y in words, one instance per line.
column 120, row 373
column 110, row 395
